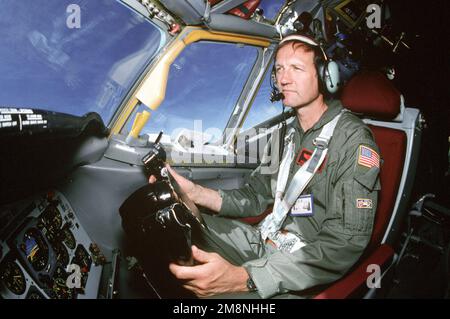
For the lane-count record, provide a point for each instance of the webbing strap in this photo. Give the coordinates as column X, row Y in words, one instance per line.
column 272, row 223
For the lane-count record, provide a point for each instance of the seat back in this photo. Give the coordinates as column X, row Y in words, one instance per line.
column 392, row 144
column 372, row 95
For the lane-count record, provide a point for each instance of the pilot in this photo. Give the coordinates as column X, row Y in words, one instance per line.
column 307, row 241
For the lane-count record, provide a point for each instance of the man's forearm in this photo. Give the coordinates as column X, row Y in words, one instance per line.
column 206, row 197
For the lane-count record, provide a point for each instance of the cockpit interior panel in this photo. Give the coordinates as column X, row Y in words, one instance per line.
column 45, row 251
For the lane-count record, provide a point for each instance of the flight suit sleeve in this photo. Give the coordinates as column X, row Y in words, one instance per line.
column 342, row 237
column 250, row 200
column 256, row 194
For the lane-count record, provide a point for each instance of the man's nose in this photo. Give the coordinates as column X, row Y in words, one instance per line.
column 284, row 78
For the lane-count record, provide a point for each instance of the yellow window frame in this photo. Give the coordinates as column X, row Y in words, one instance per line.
column 151, row 91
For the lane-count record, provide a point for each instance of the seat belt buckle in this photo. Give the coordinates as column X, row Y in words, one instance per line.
column 320, row 142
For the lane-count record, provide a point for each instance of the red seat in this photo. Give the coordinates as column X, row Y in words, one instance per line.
column 253, row 220
column 374, row 96
column 392, row 144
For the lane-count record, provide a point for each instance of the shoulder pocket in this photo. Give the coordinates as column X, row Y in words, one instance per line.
column 370, row 179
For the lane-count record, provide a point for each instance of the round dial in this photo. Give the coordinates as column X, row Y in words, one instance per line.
column 13, row 277
column 35, row 249
column 60, row 288
column 33, row 293
column 51, row 218
column 82, row 259
column 68, row 237
column 62, row 256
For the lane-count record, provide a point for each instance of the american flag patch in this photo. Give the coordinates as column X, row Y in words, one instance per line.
column 368, row 157
column 363, row 203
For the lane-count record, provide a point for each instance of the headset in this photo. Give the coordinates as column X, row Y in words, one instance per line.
column 327, row 70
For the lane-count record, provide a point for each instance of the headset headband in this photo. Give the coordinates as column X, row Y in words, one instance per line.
column 304, row 39
column 301, row 38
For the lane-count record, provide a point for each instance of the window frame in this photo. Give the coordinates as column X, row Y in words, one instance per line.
column 242, row 97
column 157, row 72
column 250, row 90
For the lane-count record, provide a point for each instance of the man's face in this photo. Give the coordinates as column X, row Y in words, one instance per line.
column 296, row 75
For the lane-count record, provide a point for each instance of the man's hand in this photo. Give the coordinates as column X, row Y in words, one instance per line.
column 213, row 276
column 200, row 195
column 186, row 185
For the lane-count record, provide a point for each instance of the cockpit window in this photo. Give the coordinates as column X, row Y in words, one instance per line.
column 262, row 109
column 72, row 56
column 271, row 8
column 204, row 84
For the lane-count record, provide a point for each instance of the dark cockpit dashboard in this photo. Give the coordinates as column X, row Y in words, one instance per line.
column 40, row 239
column 45, row 252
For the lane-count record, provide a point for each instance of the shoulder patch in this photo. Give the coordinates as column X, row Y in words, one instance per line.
column 368, row 157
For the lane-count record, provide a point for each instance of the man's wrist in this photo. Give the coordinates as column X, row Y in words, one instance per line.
column 251, row 284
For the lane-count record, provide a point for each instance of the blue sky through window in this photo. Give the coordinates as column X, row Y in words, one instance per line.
column 271, row 8
column 204, row 83
column 262, row 109
column 45, row 64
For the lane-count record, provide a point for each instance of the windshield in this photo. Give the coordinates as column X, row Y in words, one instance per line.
column 72, row 56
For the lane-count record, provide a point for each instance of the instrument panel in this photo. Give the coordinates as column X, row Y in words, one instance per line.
column 45, row 253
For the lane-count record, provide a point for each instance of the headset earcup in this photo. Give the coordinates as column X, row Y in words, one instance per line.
column 330, row 76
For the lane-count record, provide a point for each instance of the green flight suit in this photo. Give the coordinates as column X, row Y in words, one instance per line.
column 345, row 192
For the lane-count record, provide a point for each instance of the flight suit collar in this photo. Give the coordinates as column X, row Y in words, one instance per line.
column 334, row 108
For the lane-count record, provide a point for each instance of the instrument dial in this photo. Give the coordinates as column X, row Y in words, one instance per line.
column 60, row 288
column 35, row 249
column 13, row 277
column 62, row 256
column 84, row 260
column 33, row 293
column 51, row 218
column 68, row 237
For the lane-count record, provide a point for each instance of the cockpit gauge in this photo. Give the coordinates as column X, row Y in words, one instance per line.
column 62, row 256
column 84, row 260
column 33, row 293
column 68, row 237
column 35, row 249
column 50, row 223
column 12, row 277
column 51, row 218
column 60, row 289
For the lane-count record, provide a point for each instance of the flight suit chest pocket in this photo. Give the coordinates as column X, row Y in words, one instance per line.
column 320, row 177
column 360, row 196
